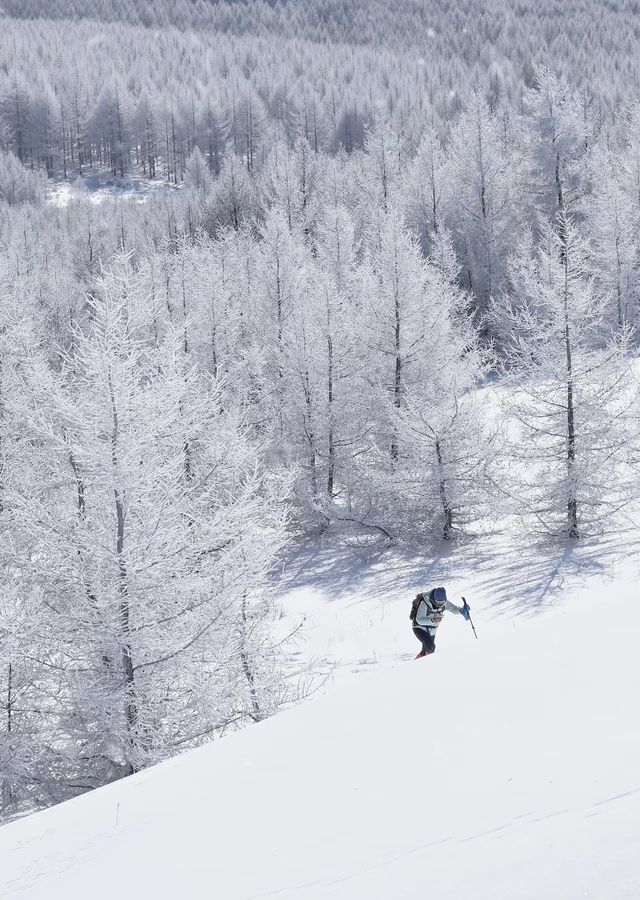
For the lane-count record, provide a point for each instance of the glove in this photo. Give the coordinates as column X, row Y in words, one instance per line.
column 466, row 611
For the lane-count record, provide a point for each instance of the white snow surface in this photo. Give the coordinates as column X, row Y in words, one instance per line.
column 102, row 187
column 506, row 768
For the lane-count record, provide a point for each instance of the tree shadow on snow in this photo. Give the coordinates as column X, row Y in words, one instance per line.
column 508, row 576
column 528, row 576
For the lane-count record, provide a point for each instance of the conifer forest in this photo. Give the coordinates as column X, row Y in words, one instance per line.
column 258, row 261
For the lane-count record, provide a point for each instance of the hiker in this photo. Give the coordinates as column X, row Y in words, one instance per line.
column 426, row 614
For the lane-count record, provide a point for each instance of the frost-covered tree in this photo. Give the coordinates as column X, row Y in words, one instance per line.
column 485, row 201
column 382, row 166
column 291, row 184
column 17, row 184
column 449, row 441
column 429, row 187
column 141, row 540
column 556, row 137
column 234, row 200
column 20, row 756
column 343, row 370
column 423, row 459
column 197, row 176
column 394, row 313
column 283, row 273
column 573, row 397
column 613, row 222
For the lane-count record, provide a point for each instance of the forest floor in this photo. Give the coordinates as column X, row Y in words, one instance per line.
column 101, row 185
column 503, row 768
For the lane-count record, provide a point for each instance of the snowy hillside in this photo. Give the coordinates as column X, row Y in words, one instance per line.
column 306, row 307
column 504, row 768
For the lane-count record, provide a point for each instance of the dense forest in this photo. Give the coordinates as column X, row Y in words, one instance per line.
column 363, row 221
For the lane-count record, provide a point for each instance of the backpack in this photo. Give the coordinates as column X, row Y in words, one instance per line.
column 416, row 603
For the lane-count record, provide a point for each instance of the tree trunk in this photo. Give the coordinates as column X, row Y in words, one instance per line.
column 572, row 500
column 64, row 145
column 446, row 508
column 621, row 315
column 256, row 713
column 78, row 135
column 173, row 148
column 331, row 452
column 310, row 435
column 124, row 610
column 434, row 200
column 6, row 784
column 107, row 662
column 280, row 323
column 397, row 384
column 562, row 225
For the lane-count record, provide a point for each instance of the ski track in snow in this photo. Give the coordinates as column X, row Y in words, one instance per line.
column 498, row 830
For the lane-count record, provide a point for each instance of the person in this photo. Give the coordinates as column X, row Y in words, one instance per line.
column 426, row 614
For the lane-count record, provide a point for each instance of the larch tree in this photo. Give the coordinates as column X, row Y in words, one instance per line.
column 424, row 450
column 555, row 143
column 393, row 313
column 573, row 397
column 290, row 184
column 345, row 362
column 234, row 196
column 449, row 441
column 613, row 222
column 149, row 576
column 429, row 187
column 485, row 206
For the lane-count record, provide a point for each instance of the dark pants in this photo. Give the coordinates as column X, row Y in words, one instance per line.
column 427, row 640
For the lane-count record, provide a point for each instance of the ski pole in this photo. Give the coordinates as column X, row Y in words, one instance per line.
column 466, row 606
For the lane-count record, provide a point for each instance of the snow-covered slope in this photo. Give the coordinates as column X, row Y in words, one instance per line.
column 499, row 769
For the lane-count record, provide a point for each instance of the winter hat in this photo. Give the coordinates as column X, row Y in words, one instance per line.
column 439, row 595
